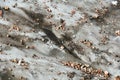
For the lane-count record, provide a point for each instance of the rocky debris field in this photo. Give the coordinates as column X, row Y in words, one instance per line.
column 60, row 39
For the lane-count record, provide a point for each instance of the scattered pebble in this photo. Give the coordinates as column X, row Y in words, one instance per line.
column 104, row 40
column 87, row 69
column 71, row 74
column 49, row 10
column 6, row 8
column 62, row 47
column 34, row 56
column 14, row 27
column 106, row 74
column 87, row 43
column 49, row 16
column 20, row 62
column 1, row 13
column 73, row 12
column 117, row 32
column 117, row 78
column 114, row 3
column 30, row 47
column 22, row 78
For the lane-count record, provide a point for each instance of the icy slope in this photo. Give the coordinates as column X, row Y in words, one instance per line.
column 60, row 39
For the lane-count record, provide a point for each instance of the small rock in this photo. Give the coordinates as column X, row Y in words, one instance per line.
column 114, row 3
column 71, row 74
column 106, row 73
column 117, row 32
column 62, row 47
column 73, row 12
column 49, row 10
column 117, row 78
column 1, row 13
column 6, row 8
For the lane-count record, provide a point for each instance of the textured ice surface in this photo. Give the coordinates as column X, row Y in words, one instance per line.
column 32, row 30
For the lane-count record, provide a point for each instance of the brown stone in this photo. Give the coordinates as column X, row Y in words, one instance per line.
column 117, row 32
column 1, row 13
column 6, row 8
column 117, row 78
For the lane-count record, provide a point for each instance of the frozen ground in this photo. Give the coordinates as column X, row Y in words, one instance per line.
column 47, row 39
